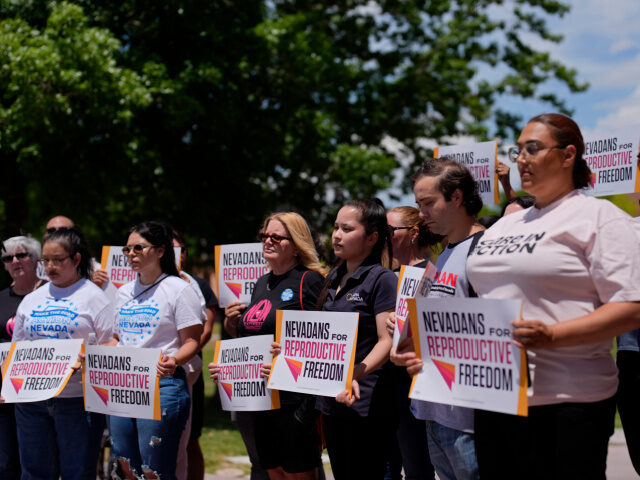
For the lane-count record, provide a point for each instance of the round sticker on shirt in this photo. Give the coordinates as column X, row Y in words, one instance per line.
column 286, row 295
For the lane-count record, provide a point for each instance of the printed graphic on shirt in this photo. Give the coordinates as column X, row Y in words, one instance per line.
column 52, row 319
column 508, row 244
column 286, row 295
column 137, row 322
column 445, row 282
column 257, row 314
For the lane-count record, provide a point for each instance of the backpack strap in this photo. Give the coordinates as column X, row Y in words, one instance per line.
column 476, row 238
column 301, row 280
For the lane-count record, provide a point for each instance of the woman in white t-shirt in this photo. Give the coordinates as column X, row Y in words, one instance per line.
column 574, row 261
column 158, row 310
column 57, row 438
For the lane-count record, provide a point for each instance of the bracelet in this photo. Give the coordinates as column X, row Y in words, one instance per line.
column 176, row 360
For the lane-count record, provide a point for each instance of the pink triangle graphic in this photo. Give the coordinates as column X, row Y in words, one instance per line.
column 236, row 288
column 447, row 370
column 401, row 325
column 295, row 366
column 103, row 393
column 228, row 389
column 17, row 383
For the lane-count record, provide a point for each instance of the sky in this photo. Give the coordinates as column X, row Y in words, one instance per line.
column 602, row 42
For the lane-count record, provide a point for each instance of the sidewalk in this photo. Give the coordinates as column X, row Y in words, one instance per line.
column 618, row 463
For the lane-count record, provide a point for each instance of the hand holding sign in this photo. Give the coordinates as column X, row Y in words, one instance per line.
column 532, row 334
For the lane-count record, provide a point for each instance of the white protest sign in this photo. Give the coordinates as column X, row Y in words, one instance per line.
column 242, row 388
column 238, row 268
column 469, row 358
column 115, row 262
column 122, row 381
column 39, row 369
column 4, row 351
column 409, row 279
column 613, row 163
column 481, row 159
column 318, row 351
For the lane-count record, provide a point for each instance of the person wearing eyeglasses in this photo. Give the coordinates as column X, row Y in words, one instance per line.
column 57, row 438
column 283, row 442
column 20, row 258
column 574, row 262
column 166, row 313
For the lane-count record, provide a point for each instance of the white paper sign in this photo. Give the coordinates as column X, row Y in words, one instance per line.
column 469, row 358
column 238, row 268
column 39, row 369
column 122, row 381
column 318, row 351
column 481, row 159
column 117, row 265
column 408, row 281
column 242, row 388
column 612, row 158
column 4, row 351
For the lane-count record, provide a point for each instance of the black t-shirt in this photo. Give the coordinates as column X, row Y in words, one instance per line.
column 9, row 301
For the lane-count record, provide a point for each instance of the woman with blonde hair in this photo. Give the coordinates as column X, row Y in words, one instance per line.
column 283, row 442
column 413, row 243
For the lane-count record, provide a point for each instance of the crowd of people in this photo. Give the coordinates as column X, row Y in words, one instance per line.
column 578, row 279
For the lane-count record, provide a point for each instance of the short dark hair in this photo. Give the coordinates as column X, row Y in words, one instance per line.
column 159, row 234
column 452, row 176
column 73, row 241
column 566, row 132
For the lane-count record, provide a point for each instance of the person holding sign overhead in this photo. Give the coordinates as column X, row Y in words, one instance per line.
column 284, row 442
column 158, row 310
column 574, row 261
column 357, row 427
column 57, row 438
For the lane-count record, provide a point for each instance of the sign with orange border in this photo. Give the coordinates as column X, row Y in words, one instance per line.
column 117, row 265
column 39, row 369
column 122, row 381
column 412, row 282
column 242, row 387
column 238, row 268
column 481, row 159
column 318, row 352
column 469, row 358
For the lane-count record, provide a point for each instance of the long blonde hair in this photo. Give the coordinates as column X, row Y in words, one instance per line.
column 299, row 230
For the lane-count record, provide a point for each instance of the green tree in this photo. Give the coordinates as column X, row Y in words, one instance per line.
column 220, row 113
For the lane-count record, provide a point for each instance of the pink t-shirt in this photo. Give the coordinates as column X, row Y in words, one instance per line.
column 563, row 261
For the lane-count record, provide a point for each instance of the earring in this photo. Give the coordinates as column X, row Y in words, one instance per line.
column 413, row 240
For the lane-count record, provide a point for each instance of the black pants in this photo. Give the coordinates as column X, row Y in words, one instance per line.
column 563, row 441
column 358, row 446
column 629, row 402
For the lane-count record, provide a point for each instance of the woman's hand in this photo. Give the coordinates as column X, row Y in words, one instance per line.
column 99, row 277
column 414, row 365
column 532, row 334
column 214, row 370
column 232, row 313
column 347, row 399
column 167, row 366
column 390, row 323
column 276, row 348
column 403, row 353
column 265, row 370
column 78, row 363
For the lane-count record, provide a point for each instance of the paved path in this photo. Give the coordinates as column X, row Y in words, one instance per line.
column 618, row 463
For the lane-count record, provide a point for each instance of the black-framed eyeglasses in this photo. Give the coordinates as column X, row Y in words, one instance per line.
column 532, row 149
column 138, row 248
column 56, row 261
column 274, row 238
column 19, row 256
column 393, row 229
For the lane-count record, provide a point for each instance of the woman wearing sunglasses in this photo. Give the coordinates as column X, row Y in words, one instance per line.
column 149, row 447
column 283, row 442
column 20, row 258
column 57, row 438
column 574, row 262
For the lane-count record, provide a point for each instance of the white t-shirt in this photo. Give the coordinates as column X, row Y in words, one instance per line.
column 194, row 285
column 63, row 313
column 563, row 261
column 152, row 319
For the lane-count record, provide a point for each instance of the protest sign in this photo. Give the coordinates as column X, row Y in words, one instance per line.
column 318, row 350
column 481, row 159
column 411, row 282
column 39, row 369
column 242, row 388
column 469, row 358
column 4, row 351
column 122, row 381
column 238, row 267
column 117, row 265
column 613, row 163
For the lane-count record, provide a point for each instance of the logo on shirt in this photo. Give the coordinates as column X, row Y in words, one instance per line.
column 353, row 297
column 509, row 244
column 137, row 322
column 52, row 321
column 286, row 295
column 256, row 315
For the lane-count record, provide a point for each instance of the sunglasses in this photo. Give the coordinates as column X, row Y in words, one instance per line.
column 56, row 262
column 137, row 248
column 274, row 238
column 532, row 149
column 19, row 256
column 393, row 229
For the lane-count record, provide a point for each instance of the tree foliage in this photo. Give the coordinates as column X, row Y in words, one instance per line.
column 209, row 114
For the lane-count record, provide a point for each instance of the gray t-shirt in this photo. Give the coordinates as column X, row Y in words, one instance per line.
column 451, row 281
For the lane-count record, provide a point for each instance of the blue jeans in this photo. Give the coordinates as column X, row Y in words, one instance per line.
column 152, row 445
column 452, row 452
column 58, row 438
